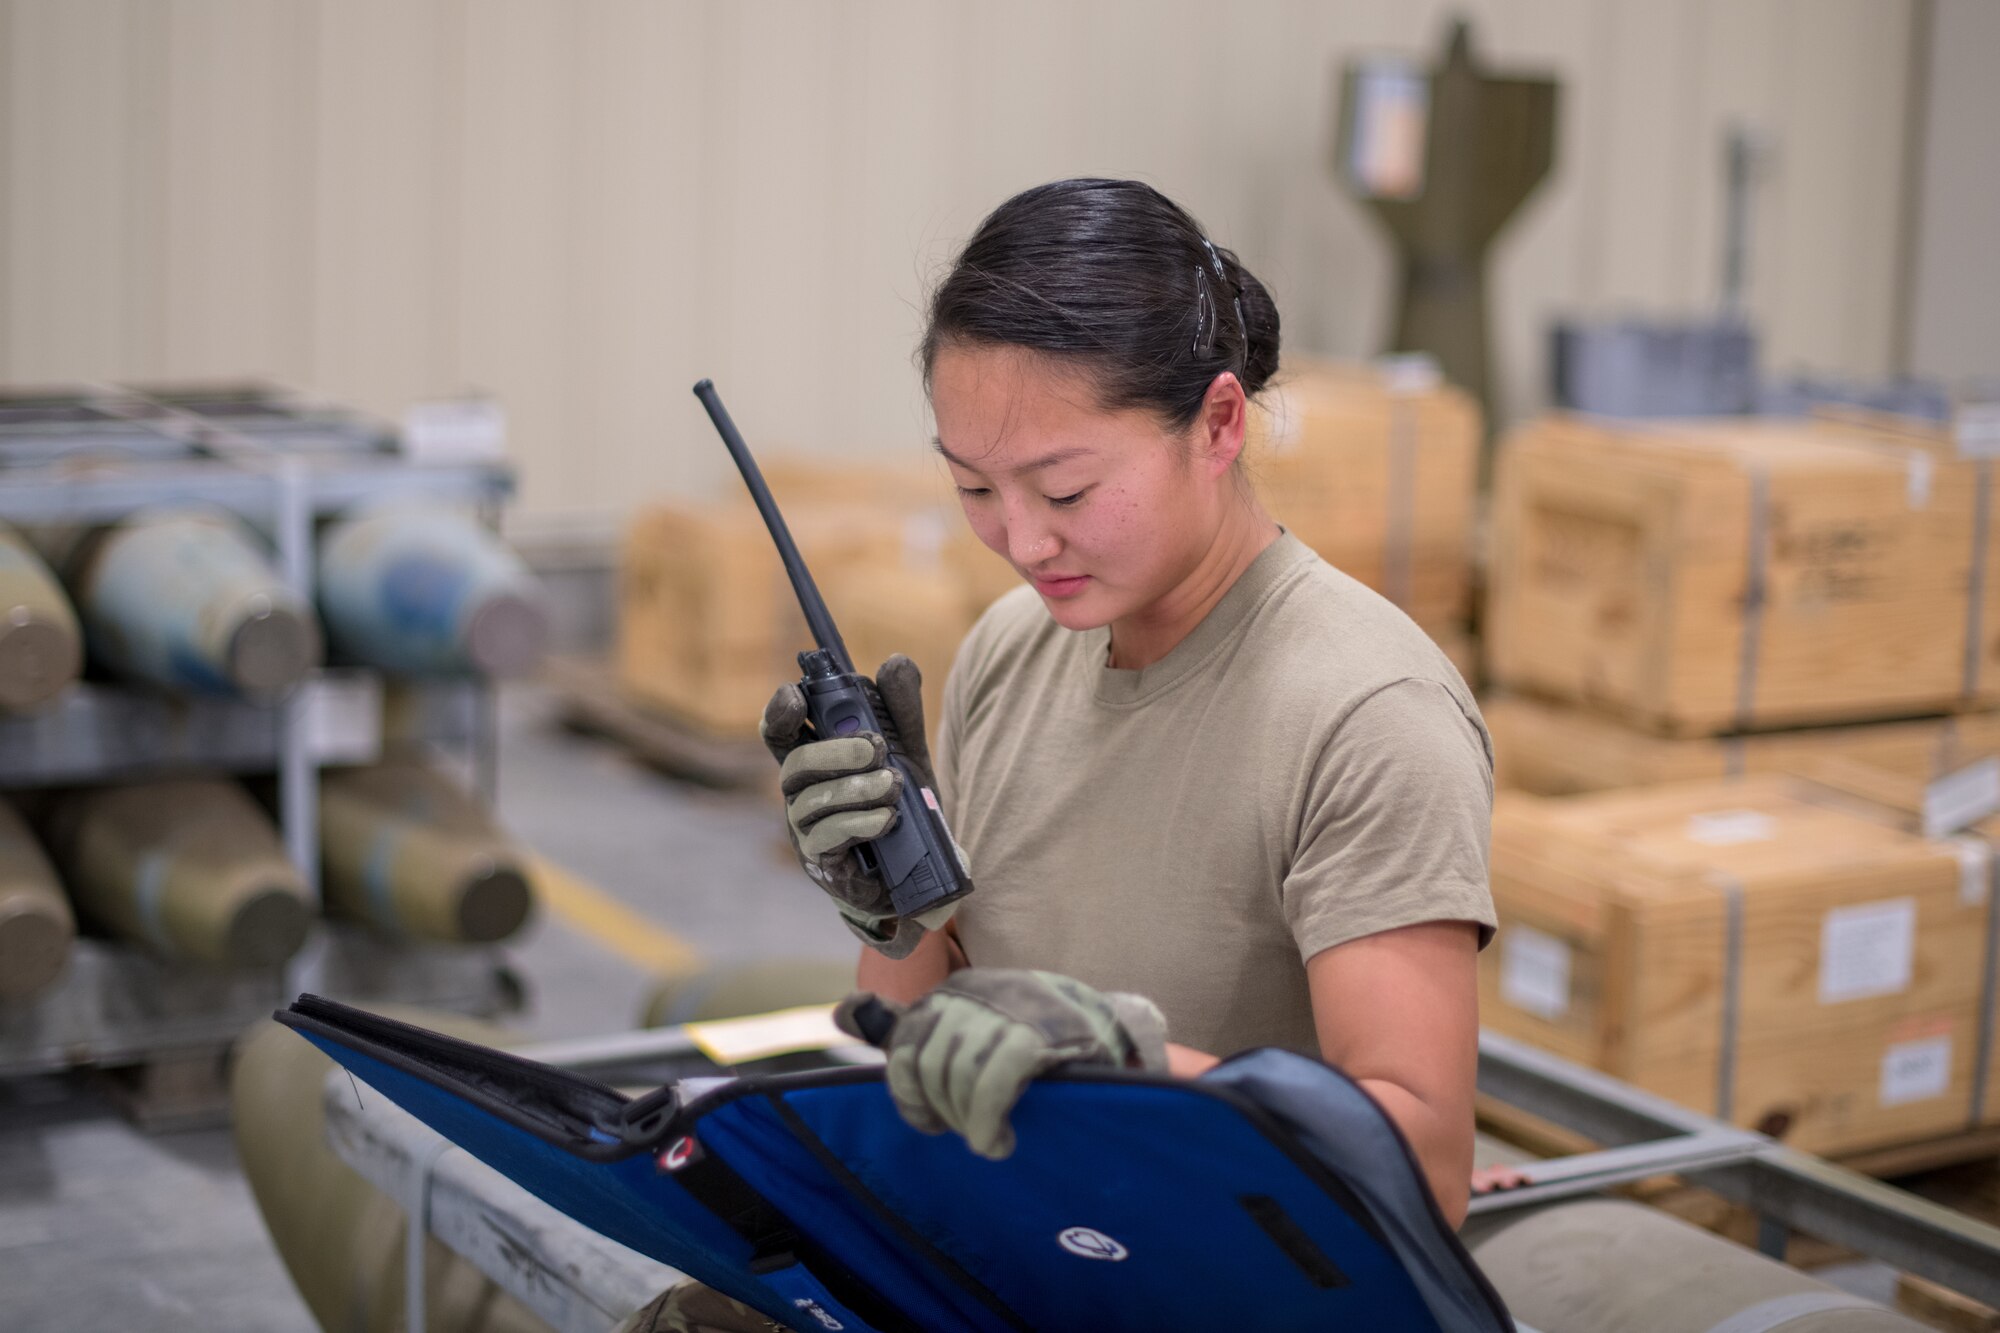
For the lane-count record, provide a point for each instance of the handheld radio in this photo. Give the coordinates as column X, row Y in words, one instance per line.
column 915, row 858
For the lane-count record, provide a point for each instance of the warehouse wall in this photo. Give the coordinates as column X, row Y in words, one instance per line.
column 1955, row 332
column 583, row 206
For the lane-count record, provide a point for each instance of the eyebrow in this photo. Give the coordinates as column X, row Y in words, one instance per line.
column 1032, row 465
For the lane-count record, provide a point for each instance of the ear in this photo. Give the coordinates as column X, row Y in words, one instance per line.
column 1220, row 427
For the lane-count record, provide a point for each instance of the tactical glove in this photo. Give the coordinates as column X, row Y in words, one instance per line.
column 841, row 791
column 960, row 1057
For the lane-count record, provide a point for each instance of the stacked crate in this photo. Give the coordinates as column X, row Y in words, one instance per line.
column 708, row 624
column 1551, row 748
column 1375, row 466
column 1674, row 606
column 1700, row 579
column 1755, row 949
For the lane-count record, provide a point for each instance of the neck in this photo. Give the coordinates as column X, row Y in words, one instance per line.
column 1146, row 636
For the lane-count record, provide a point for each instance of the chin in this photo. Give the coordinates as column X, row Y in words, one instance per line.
column 1078, row 613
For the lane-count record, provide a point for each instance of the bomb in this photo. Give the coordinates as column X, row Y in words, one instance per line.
column 403, row 849
column 186, row 599
column 36, row 926
column 1610, row 1266
column 427, row 592
column 342, row 1239
column 41, row 644
column 190, row 867
column 732, row 990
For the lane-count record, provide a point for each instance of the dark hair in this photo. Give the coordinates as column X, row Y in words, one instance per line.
column 1116, row 276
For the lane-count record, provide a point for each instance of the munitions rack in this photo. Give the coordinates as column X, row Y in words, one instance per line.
column 89, row 454
column 581, row 1282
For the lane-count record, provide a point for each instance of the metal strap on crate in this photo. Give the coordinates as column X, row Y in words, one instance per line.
column 1975, row 586
column 1989, row 993
column 1398, row 560
column 1755, row 592
column 1732, row 993
column 1735, row 752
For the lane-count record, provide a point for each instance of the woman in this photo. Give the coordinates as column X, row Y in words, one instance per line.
column 1190, row 761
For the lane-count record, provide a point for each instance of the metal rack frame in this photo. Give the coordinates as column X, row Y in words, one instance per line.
column 583, row 1283
column 280, row 470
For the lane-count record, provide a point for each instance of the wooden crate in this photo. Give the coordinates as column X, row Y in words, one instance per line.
column 708, row 625
column 1899, row 797
column 1460, row 646
column 1555, row 749
column 1858, row 955
column 1378, row 477
column 1699, row 578
column 982, row 574
column 922, row 613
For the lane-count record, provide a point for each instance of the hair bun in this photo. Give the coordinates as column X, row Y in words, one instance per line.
column 1117, row 277
column 1260, row 332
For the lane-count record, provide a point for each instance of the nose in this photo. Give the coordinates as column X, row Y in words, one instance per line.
column 1029, row 541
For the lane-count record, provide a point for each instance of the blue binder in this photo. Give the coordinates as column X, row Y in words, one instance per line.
column 1270, row 1194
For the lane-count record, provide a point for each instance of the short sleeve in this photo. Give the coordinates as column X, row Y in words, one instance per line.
column 1396, row 820
column 948, row 729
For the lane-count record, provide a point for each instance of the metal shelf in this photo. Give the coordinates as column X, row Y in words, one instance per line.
column 280, row 460
column 116, row 1004
column 99, row 732
column 262, row 488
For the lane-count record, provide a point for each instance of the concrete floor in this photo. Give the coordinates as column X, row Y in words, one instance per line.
column 105, row 1228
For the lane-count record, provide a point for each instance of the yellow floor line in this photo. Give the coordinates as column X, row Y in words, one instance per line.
column 625, row 932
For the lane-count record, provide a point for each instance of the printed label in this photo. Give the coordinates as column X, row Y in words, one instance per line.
column 819, row 1312
column 1915, row 1071
column 1866, row 950
column 1534, row 971
column 1977, row 430
column 1726, row 828
column 1961, row 798
column 1917, row 478
column 455, row 430
column 1090, row 1243
column 341, row 716
column 1975, row 870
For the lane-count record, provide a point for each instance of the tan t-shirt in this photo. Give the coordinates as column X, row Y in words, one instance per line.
column 1305, row 768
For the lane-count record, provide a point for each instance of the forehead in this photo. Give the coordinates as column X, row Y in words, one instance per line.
column 1009, row 408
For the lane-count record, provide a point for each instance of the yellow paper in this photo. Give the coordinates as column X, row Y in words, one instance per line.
column 733, row 1041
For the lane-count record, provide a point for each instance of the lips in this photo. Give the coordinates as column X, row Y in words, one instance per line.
column 1060, row 586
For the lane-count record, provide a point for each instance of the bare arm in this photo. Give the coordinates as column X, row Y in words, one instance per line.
column 936, row 957
column 1399, row 1012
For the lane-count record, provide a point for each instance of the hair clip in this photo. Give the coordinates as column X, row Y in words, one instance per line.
column 1213, row 258
column 1204, row 313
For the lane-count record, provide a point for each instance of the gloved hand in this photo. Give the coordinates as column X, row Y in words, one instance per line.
column 960, row 1057
column 841, row 791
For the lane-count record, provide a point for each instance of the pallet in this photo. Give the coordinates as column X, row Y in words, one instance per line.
column 593, row 703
